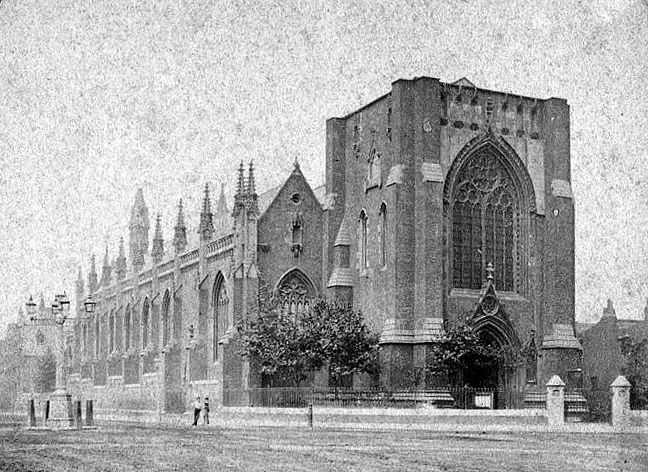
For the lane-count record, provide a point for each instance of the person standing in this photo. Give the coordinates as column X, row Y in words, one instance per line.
column 197, row 409
column 206, row 411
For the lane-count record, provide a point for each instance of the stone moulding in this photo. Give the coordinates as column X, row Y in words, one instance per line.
column 425, row 331
column 561, row 188
column 562, row 337
column 432, row 172
column 341, row 277
column 395, row 175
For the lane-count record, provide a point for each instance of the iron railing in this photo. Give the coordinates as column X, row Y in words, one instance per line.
column 462, row 398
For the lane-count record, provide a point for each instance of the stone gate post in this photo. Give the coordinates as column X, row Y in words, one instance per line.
column 556, row 402
column 620, row 402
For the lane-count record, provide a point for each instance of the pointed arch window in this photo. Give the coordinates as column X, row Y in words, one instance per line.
column 383, row 235
column 145, row 323
column 97, row 338
column 111, row 329
column 166, row 302
column 363, row 241
column 84, row 338
column 295, row 291
column 485, row 222
column 220, row 302
column 127, row 329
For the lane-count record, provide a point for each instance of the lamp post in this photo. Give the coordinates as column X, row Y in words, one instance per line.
column 60, row 400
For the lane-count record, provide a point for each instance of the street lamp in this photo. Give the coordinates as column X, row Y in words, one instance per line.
column 89, row 305
column 60, row 401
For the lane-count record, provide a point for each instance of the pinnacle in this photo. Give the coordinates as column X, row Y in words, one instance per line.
column 222, row 202
column 251, row 187
column 158, row 227
column 180, row 220
column 241, row 181
column 206, row 202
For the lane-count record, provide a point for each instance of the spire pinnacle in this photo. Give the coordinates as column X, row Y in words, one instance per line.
column 609, row 309
column 206, row 228
column 240, row 184
column 251, row 186
column 157, row 252
column 222, row 202
column 120, row 263
column 41, row 303
column 106, row 270
column 296, row 163
column 180, row 231
column 92, row 276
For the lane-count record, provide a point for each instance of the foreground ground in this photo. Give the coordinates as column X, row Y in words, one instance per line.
column 126, row 448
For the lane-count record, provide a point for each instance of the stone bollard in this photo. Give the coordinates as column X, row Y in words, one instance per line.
column 620, row 402
column 310, row 415
column 556, row 402
column 89, row 420
column 32, row 413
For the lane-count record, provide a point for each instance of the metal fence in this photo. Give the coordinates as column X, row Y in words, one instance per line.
column 458, row 398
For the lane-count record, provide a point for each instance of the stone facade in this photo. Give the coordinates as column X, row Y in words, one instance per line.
column 401, row 155
column 384, row 232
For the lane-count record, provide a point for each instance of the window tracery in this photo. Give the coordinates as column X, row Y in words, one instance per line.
column 485, row 222
column 295, row 292
column 221, row 313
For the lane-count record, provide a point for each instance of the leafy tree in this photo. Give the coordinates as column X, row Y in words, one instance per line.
column 345, row 342
column 286, row 348
column 462, row 350
column 636, row 370
column 45, row 380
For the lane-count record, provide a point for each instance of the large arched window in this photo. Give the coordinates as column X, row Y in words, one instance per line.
column 295, row 290
column 111, row 329
column 363, row 241
column 166, row 303
column 485, row 205
column 145, row 323
column 383, row 235
column 220, row 302
column 97, row 338
column 127, row 329
column 84, row 345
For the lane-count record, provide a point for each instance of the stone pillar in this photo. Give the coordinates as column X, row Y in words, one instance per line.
column 620, row 402
column 556, row 402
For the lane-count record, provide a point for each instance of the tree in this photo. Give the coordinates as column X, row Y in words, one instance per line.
column 287, row 348
column 345, row 342
column 45, row 380
column 462, row 350
column 636, row 370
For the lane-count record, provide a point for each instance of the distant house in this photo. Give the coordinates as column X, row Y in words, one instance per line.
column 603, row 360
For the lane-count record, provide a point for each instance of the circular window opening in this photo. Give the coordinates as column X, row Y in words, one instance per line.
column 296, row 198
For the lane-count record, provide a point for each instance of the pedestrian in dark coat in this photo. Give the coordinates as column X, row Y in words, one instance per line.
column 206, row 411
column 197, row 409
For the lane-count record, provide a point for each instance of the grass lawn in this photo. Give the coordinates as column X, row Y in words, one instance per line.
column 126, row 448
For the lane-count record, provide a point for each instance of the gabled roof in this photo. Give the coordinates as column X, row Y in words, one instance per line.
column 266, row 199
column 464, row 82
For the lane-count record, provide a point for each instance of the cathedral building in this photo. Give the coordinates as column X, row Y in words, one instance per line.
column 442, row 203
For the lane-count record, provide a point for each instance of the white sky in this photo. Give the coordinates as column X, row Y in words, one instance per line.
column 100, row 98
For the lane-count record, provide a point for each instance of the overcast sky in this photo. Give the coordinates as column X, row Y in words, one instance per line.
column 100, row 98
